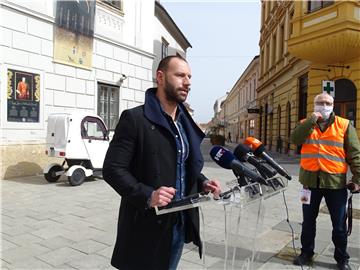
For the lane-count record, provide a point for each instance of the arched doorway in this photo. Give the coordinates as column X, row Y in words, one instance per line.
column 345, row 100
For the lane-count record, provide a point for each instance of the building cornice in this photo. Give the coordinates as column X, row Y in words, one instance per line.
column 284, row 70
column 170, row 25
column 245, row 74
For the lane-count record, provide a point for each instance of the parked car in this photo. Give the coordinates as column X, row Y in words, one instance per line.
column 82, row 140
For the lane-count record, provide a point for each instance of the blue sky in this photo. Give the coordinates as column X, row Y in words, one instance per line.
column 225, row 37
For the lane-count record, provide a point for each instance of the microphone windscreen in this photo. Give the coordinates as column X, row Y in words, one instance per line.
column 252, row 142
column 241, row 150
column 222, row 156
column 259, row 150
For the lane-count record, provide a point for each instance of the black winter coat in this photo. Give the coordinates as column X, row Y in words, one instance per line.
column 141, row 158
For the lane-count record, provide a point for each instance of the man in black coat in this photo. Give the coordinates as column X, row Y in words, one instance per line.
column 153, row 158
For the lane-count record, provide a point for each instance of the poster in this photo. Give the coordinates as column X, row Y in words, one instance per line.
column 23, row 96
column 74, row 32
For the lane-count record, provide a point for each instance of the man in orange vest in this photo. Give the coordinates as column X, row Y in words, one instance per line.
column 329, row 145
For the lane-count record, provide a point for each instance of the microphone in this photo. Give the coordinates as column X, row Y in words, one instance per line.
column 225, row 159
column 243, row 152
column 259, row 151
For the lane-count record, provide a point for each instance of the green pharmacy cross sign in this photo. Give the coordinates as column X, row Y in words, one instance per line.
column 329, row 87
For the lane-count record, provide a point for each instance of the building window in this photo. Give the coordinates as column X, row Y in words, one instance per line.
column 114, row 3
column 303, row 87
column 267, row 60
column 262, row 62
column 267, row 9
column 108, row 104
column 314, row 5
column 291, row 24
column 253, row 93
column 281, row 42
column 273, row 51
column 252, row 123
column 164, row 48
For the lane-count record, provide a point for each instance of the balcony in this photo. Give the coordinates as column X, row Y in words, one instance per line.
column 330, row 35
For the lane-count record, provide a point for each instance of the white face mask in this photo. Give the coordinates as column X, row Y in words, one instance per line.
column 324, row 110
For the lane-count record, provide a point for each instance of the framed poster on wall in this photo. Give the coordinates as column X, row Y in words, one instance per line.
column 23, row 96
column 74, row 32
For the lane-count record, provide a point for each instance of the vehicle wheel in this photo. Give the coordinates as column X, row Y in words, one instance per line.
column 51, row 176
column 77, row 177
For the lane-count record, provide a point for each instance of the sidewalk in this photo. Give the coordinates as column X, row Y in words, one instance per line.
column 57, row 226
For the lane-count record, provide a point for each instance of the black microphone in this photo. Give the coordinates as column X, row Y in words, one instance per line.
column 260, row 152
column 243, row 152
column 225, row 159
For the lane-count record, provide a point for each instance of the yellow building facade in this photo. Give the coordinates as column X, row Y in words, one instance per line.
column 281, row 75
column 303, row 45
column 327, row 33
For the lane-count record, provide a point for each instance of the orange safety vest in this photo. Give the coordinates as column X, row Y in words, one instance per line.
column 325, row 150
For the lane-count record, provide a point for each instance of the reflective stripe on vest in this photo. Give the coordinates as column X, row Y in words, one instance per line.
column 325, row 150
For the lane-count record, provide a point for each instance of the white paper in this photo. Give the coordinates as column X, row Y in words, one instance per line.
column 305, row 196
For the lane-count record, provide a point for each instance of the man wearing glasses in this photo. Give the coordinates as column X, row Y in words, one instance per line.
column 329, row 145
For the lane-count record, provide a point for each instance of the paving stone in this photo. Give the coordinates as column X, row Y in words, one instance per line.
column 50, row 232
column 276, row 263
column 107, row 252
column 57, row 242
column 324, row 262
column 352, row 249
column 16, row 230
column 89, row 233
column 71, row 222
column 107, row 238
column 284, row 226
column 61, row 256
column 85, row 218
column 31, row 263
column 92, row 261
column 4, row 265
column 109, row 268
column 320, row 245
column 89, row 246
column 5, row 245
column 43, row 215
column 22, row 253
column 64, row 267
column 25, row 239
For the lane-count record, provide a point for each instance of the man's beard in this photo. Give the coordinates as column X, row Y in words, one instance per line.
column 171, row 93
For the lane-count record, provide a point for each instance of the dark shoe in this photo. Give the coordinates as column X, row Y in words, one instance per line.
column 302, row 259
column 343, row 265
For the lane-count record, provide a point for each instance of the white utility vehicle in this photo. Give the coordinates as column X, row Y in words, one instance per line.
column 82, row 140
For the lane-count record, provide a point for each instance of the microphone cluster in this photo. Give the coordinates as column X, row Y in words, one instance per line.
column 253, row 152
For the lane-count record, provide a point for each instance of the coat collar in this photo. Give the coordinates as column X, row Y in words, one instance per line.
column 154, row 112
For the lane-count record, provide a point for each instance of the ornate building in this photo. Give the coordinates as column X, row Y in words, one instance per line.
column 281, row 77
column 62, row 56
column 327, row 33
column 306, row 47
column 240, row 106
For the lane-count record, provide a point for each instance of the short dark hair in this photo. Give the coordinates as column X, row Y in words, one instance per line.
column 164, row 63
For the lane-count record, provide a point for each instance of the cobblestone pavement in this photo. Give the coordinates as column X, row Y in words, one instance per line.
column 57, row 226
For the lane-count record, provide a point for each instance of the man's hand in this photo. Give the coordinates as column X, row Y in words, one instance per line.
column 316, row 116
column 162, row 196
column 354, row 188
column 213, row 186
